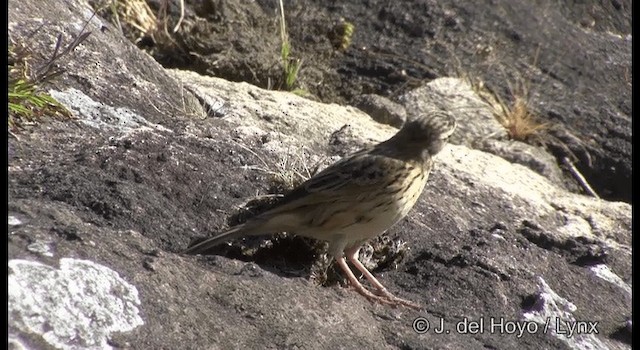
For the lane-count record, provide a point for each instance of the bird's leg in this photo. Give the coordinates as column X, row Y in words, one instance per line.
column 352, row 255
column 358, row 286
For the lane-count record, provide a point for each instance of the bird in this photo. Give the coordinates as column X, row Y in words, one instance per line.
column 356, row 199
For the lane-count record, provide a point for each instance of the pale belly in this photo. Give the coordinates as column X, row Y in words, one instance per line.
column 357, row 221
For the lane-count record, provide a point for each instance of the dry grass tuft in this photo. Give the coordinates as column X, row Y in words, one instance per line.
column 521, row 123
column 517, row 117
column 138, row 22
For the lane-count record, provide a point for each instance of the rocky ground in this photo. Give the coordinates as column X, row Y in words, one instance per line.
column 100, row 205
column 571, row 62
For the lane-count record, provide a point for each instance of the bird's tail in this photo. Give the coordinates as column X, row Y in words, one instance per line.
column 243, row 230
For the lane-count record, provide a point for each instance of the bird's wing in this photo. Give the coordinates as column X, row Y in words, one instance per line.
column 360, row 173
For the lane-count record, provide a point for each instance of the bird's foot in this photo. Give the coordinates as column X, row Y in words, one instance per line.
column 396, row 301
column 382, row 296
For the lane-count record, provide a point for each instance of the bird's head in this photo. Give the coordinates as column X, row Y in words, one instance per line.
column 428, row 132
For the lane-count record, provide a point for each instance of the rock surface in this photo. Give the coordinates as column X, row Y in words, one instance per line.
column 155, row 158
column 570, row 61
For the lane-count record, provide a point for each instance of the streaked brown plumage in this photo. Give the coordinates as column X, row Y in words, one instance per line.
column 356, row 198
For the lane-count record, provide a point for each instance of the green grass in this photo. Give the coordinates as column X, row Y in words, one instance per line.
column 341, row 34
column 28, row 102
column 291, row 66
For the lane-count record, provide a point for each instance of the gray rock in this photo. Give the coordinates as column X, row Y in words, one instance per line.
column 475, row 121
column 142, row 169
column 381, row 109
column 530, row 156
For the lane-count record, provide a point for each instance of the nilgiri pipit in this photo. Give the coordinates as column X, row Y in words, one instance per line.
column 356, row 199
